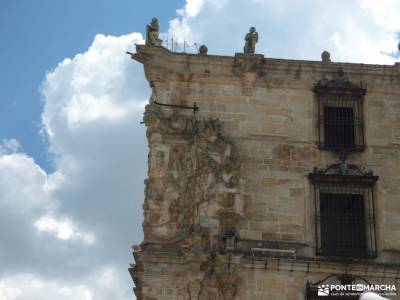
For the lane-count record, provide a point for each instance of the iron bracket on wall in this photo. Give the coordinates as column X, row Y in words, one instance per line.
column 195, row 108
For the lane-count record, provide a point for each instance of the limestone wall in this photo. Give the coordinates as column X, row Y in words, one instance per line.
column 254, row 165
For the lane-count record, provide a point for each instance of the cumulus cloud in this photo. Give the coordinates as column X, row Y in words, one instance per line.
column 63, row 229
column 102, row 283
column 9, row 146
column 353, row 31
column 69, row 233
column 384, row 12
column 29, row 286
column 22, row 184
column 97, row 85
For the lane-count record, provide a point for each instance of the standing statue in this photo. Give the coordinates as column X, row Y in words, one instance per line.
column 251, row 39
column 152, row 32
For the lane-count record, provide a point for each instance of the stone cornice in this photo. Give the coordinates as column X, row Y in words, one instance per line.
column 161, row 64
column 302, row 264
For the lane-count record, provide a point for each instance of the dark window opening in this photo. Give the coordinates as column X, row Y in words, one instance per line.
column 344, row 212
column 340, row 119
column 344, row 215
column 339, row 127
column 342, row 224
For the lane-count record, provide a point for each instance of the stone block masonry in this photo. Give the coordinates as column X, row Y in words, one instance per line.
column 233, row 177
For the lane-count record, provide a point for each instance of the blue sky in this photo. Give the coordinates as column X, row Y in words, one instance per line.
column 73, row 154
column 36, row 35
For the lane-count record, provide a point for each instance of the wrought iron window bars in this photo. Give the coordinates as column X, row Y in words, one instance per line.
column 344, row 211
column 340, row 114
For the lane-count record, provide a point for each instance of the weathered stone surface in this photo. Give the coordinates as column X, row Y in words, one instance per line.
column 240, row 166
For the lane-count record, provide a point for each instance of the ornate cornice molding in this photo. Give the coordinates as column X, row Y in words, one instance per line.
column 340, row 84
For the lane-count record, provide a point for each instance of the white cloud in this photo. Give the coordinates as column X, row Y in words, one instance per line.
column 22, row 184
column 295, row 29
column 179, row 28
column 89, row 87
column 100, row 284
column 384, row 12
column 92, row 110
column 191, row 8
column 9, row 146
column 54, row 181
column 89, row 108
column 64, row 229
column 30, row 287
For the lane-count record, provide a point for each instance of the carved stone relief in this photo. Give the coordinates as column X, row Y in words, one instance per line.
column 219, row 286
column 248, row 68
column 190, row 161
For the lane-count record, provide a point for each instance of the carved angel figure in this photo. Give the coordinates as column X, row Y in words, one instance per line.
column 152, row 32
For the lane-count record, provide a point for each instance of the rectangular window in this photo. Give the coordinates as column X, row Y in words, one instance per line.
column 342, row 223
column 339, row 127
column 340, row 113
column 344, row 219
column 340, row 123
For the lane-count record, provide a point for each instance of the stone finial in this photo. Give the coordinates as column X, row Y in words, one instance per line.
column 152, row 32
column 136, row 248
column 203, row 50
column 251, row 39
column 326, row 56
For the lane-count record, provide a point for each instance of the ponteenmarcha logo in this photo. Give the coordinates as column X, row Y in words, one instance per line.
column 355, row 289
column 323, row 290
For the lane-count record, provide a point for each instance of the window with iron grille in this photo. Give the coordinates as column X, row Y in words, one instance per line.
column 344, row 213
column 340, row 114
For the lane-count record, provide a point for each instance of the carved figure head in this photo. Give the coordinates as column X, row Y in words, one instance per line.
column 154, row 21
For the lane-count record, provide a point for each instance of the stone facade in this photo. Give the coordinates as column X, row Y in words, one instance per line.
column 232, row 178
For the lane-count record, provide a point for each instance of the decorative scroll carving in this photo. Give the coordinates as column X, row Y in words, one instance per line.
column 190, row 160
column 339, row 84
column 343, row 173
column 343, row 168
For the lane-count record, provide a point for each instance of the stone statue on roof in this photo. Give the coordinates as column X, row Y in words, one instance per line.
column 251, row 39
column 152, row 32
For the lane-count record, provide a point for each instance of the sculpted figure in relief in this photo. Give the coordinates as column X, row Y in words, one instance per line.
column 152, row 32
column 186, row 169
column 251, row 39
